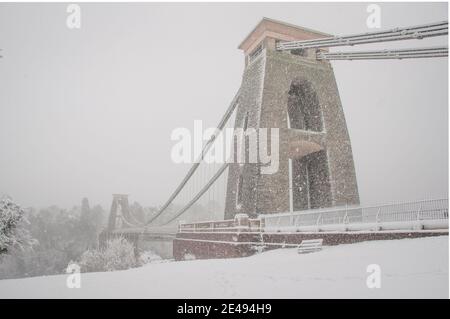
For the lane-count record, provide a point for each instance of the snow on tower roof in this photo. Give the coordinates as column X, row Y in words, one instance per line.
column 280, row 31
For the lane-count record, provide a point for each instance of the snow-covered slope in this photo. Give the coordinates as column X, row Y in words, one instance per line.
column 409, row 268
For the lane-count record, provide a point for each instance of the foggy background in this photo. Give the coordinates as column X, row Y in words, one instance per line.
column 89, row 112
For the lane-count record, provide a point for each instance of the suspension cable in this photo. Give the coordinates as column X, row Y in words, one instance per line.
column 430, row 52
column 397, row 34
column 199, row 194
column 196, row 164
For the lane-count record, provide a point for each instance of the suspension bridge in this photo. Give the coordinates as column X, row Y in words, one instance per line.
column 232, row 206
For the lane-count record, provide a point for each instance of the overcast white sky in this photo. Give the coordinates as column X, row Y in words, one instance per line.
column 89, row 112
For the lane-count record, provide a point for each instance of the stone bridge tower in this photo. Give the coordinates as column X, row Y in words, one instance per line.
column 296, row 93
column 119, row 213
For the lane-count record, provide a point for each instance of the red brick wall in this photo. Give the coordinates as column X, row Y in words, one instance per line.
column 231, row 245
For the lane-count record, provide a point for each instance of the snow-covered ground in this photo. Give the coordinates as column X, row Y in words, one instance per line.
column 410, row 268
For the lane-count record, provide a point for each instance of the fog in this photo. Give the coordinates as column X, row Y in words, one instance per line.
column 89, row 112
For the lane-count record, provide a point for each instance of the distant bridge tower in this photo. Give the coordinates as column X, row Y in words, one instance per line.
column 294, row 92
column 120, row 212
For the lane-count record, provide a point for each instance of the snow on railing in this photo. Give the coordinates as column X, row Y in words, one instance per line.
column 425, row 214
column 241, row 222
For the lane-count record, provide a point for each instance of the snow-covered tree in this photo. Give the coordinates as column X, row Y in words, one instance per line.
column 117, row 255
column 12, row 233
column 61, row 235
column 92, row 260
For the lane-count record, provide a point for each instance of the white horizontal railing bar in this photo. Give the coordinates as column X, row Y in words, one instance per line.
column 426, row 210
column 352, row 207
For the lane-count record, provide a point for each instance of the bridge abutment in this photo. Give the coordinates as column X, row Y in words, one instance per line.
column 216, row 245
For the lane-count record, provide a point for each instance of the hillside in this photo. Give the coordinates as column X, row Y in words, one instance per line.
column 410, row 268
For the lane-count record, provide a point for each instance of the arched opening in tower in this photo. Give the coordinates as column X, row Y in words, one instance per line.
column 303, row 107
column 310, row 181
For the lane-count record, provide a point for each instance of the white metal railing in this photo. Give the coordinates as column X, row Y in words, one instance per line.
column 241, row 223
column 425, row 214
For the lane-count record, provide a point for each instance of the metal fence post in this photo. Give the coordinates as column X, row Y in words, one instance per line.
column 418, row 212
